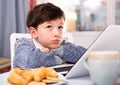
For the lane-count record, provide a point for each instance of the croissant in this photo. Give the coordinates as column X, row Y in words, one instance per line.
column 32, row 77
column 19, row 77
column 39, row 73
column 51, row 73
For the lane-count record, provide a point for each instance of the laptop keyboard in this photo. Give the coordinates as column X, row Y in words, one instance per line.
column 63, row 69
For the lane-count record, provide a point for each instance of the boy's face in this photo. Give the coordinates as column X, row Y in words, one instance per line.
column 49, row 34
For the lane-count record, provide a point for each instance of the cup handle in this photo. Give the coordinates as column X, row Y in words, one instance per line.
column 86, row 63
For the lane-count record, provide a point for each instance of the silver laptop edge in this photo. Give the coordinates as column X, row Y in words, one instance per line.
column 109, row 39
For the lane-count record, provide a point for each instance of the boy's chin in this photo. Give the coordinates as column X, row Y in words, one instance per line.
column 53, row 47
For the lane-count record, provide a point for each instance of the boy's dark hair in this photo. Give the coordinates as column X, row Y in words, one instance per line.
column 42, row 13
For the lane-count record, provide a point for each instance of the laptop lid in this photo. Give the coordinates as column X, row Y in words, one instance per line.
column 108, row 40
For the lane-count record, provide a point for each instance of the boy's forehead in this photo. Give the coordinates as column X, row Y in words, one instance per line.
column 61, row 20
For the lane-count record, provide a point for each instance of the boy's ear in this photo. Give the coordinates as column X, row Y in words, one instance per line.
column 33, row 32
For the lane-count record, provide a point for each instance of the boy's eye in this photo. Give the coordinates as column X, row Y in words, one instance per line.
column 60, row 27
column 49, row 26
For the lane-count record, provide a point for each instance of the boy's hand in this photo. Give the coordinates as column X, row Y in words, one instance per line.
column 63, row 61
column 45, row 49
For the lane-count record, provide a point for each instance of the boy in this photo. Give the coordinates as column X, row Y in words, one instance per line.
column 45, row 23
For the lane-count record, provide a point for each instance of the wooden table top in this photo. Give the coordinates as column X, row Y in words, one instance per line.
column 4, row 62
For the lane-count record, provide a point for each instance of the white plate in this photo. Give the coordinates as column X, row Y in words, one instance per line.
column 60, row 83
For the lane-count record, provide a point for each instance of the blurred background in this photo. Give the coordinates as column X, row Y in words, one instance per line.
column 81, row 16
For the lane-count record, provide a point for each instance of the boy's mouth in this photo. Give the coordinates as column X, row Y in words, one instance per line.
column 56, row 41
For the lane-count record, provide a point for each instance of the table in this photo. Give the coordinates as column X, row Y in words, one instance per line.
column 74, row 81
column 5, row 65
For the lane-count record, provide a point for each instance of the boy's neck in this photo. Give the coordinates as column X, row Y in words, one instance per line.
column 37, row 45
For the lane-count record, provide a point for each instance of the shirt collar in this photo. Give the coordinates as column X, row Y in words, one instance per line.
column 37, row 45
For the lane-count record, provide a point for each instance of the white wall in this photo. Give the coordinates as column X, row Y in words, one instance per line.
column 86, row 38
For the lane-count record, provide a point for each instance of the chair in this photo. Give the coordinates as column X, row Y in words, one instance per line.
column 14, row 36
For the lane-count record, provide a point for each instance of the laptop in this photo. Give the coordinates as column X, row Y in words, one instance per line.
column 108, row 40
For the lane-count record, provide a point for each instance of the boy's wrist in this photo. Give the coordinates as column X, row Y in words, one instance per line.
column 45, row 50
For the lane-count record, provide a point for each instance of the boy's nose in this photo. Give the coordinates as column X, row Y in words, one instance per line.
column 56, row 32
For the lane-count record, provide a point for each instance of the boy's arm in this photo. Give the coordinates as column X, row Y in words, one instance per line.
column 27, row 56
column 70, row 52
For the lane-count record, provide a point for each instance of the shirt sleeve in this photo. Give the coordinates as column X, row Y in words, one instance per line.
column 27, row 56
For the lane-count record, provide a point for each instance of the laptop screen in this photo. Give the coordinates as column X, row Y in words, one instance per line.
column 108, row 40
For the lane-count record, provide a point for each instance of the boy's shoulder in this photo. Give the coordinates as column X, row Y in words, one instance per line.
column 24, row 40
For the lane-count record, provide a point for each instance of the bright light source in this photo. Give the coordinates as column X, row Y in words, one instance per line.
column 92, row 3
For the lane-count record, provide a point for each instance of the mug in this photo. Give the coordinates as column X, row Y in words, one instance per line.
column 103, row 66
